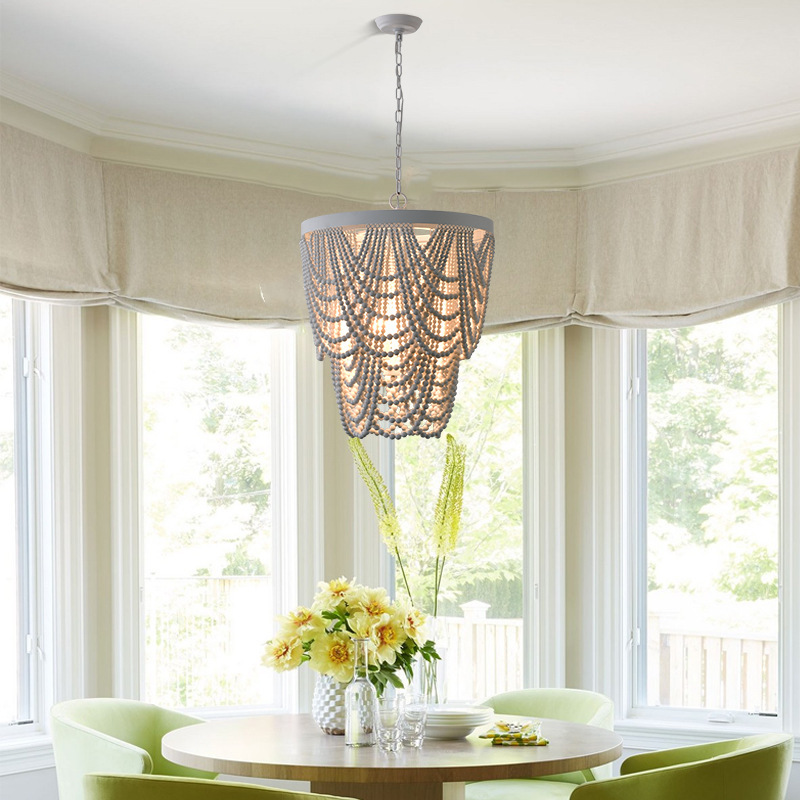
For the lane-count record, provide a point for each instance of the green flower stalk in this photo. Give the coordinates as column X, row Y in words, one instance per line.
column 447, row 516
column 388, row 524
column 444, row 531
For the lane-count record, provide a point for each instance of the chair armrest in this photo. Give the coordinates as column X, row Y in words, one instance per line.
column 79, row 750
column 674, row 783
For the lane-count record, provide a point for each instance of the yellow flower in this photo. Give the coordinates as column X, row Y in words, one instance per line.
column 372, row 602
column 414, row 624
column 361, row 624
column 332, row 593
column 388, row 635
column 301, row 622
column 332, row 654
column 283, row 653
column 363, row 627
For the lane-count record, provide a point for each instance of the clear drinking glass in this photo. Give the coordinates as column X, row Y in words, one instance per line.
column 359, row 701
column 415, row 713
column 389, row 720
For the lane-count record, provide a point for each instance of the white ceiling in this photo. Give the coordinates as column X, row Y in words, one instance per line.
column 513, row 84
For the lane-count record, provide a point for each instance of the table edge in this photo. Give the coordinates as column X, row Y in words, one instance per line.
column 406, row 774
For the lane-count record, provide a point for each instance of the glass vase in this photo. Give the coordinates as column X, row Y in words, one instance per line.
column 359, row 700
column 430, row 677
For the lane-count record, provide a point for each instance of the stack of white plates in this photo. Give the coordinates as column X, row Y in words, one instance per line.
column 455, row 722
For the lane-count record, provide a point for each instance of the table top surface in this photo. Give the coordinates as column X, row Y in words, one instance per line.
column 292, row 747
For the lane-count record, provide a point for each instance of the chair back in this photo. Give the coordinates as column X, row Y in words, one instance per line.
column 114, row 735
column 160, row 787
column 738, row 769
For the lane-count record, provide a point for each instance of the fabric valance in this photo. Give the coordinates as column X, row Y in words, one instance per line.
column 684, row 247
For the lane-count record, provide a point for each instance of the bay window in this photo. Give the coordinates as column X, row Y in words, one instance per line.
column 710, row 451
column 216, row 537
column 480, row 603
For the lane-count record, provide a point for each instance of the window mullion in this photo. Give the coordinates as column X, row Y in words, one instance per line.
column 638, row 405
column 125, row 468
column 789, row 560
column 23, row 358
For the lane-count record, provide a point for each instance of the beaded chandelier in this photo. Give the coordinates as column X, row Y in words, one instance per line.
column 396, row 300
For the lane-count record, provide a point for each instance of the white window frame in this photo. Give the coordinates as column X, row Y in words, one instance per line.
column 34, row 456
column 651, row 728
column 296, row 442
column 543, row 557
column 55, row 465
column 26, row 444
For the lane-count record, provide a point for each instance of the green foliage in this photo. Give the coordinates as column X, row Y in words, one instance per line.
column 502, row 590
column 712, row 493
column 752, row 575
column 215, row 497
column 683, row 425
column 385, row 673
column 207, row 495
column 240, row 563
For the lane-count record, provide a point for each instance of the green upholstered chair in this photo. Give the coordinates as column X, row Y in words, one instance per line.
column 739, row 769
column 160, row 787
column 570, row 705
column 112, row 735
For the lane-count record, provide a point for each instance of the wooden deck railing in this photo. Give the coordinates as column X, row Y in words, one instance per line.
column 207, row 633
column 699, row 670
column 482, row 657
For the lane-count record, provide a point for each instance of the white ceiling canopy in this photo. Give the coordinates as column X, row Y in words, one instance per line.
column 493, row 87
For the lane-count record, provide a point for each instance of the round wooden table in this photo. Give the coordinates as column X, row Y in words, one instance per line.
column 292, row 747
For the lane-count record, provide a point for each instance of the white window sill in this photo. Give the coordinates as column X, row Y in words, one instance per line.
column 638, row 734
column 26, row 753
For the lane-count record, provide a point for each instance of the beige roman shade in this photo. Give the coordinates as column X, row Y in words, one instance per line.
column 688, row 246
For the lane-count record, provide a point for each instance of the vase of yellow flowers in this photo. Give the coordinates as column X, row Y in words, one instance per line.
column 322, row 635
column 443, row 531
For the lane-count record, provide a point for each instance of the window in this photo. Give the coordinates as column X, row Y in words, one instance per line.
column 706, row 428
column 215, row 566
column 481, row 599
column 25, row 493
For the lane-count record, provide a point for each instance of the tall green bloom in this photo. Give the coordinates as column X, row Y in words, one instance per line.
column 447, row 516
column 388, row 524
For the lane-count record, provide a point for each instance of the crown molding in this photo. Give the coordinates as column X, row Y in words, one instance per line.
column 365, row 178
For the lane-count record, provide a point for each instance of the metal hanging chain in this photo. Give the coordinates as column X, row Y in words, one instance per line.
column 398, row 199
